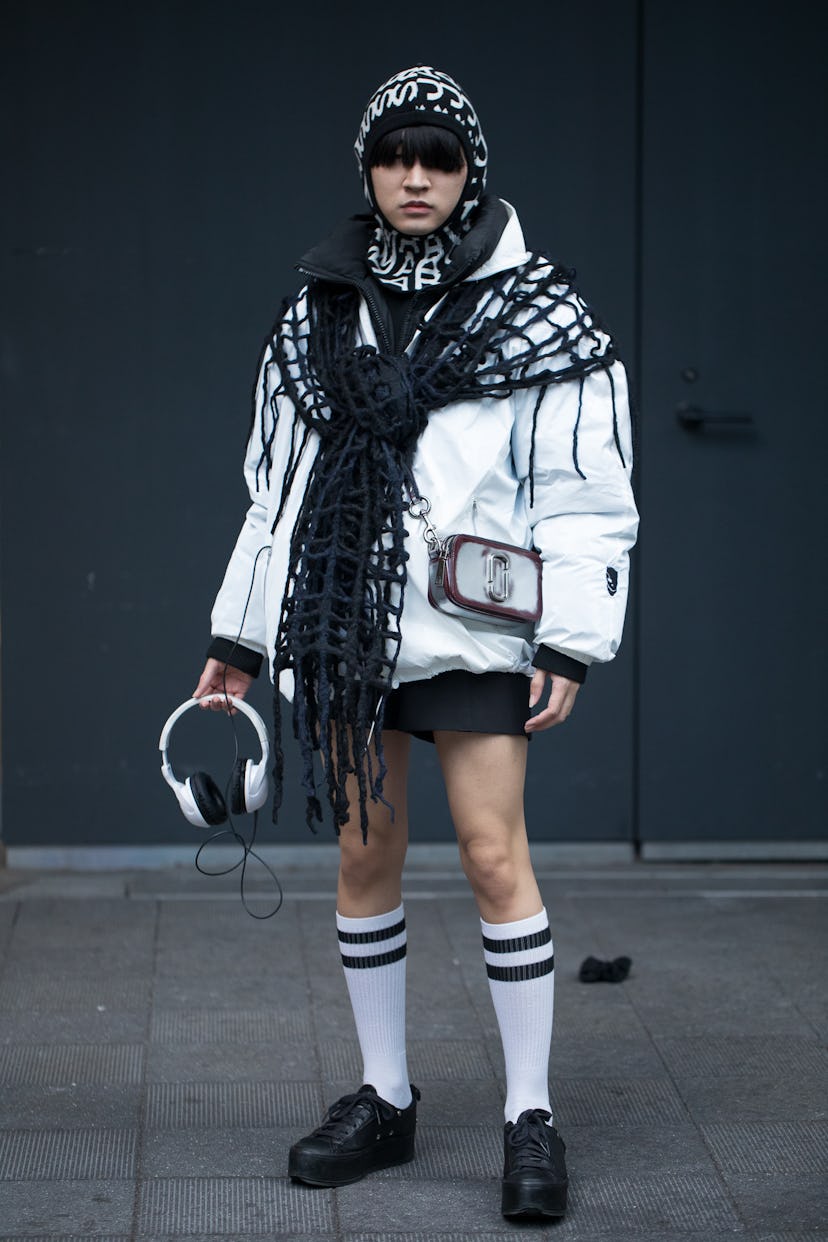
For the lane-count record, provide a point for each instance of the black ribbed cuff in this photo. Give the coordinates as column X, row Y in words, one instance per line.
column 552, row 661
column 242, row 658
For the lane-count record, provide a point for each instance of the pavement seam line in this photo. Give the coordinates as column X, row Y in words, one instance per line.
column 142, row 1108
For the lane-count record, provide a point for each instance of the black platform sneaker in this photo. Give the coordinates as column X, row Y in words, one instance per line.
column 534, row 1168
column 360, row 1134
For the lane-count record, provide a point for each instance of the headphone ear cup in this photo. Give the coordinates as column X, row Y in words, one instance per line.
column 238, row 802
column 256, row 786
column 208, row 798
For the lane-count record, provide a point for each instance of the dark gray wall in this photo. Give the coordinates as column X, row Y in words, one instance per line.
column 167, row 165
column 170, row 162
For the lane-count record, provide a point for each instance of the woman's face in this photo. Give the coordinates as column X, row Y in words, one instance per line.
column 416, row 200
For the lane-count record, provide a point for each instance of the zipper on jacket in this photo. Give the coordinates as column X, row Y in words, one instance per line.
column 413, row 321
column 366, row 292
column 377, row 318
column 474, row 515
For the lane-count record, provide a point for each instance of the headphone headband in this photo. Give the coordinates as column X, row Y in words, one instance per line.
column 245, row 708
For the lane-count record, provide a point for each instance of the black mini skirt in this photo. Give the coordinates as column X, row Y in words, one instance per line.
column 461, row 701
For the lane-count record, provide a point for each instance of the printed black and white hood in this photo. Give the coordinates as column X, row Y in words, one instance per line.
column 421, row 96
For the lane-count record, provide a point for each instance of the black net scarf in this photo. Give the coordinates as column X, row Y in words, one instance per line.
column 340, row 627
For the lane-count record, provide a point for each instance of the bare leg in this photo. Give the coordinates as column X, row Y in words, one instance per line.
column 370, row 875
column 370, row 924
column 484, row 777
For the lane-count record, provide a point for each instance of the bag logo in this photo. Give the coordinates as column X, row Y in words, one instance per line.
column 498, row 586
column 612, row 579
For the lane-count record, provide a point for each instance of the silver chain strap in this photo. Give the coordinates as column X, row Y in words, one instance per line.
column 420, row 507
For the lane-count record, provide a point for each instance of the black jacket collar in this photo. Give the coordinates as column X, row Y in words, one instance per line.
column 341, row 257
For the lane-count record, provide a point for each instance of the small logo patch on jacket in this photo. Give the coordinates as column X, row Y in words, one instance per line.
column 612, row 579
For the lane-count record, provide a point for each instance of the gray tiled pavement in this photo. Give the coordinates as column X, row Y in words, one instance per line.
column 159, row 1051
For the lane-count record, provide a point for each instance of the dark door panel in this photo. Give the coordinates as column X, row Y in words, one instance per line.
column 735, row 434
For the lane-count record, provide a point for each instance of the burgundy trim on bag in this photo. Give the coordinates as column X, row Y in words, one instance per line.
column 456, row 597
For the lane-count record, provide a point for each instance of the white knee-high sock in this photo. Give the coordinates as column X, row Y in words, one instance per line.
column 520, row 963
column 373, row 957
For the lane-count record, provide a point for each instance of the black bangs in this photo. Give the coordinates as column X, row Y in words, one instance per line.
column 433, row 146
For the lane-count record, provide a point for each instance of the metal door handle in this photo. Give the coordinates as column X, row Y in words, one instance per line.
column 693, row 418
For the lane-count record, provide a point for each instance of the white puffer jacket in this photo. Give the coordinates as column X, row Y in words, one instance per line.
column 472, row 462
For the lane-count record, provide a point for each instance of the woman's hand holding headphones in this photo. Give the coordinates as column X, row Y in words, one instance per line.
column 220, row 678
column 561, row 700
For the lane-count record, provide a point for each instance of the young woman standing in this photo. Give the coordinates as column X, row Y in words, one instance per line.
column 429, row 354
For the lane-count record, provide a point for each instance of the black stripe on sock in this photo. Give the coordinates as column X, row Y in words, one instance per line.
column 519, row 944
column 372, row 937
column 518, row 974
column 377, row 959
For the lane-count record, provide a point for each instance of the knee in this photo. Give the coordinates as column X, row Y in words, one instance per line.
column 364, row 866
column 494, row 866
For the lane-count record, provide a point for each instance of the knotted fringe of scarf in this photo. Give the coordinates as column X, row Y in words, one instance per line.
column 340, row 625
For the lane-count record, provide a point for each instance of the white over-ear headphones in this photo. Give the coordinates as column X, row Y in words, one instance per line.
column 199, row 796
